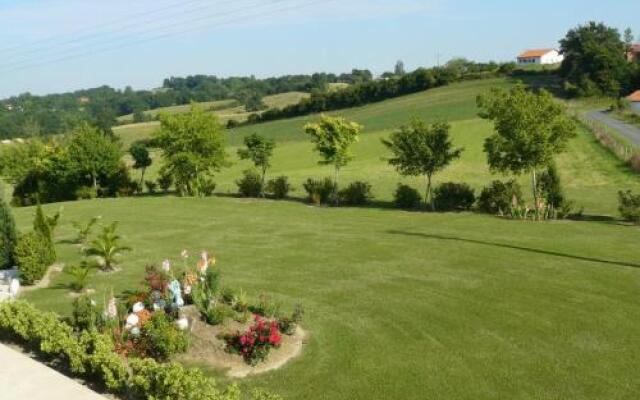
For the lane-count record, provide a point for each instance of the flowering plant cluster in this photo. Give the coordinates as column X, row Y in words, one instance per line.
column 256, row 342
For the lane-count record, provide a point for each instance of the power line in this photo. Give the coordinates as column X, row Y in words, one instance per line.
column 165, row 35
column 77, row 42
column 93, row 28
column 122, row 39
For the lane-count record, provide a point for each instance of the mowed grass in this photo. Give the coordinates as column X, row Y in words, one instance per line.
column 403, row 305
column 591, row 176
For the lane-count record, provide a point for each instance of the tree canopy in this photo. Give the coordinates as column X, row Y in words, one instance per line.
column 193, row 148
column 258, row 149
column 595, row 60
column 422, row 149
column 530, row 128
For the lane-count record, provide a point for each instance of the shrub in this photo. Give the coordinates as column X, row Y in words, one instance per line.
column 250, row 185
column 32, row 255
column 79, row 274
column 86, row 193
column 356, row 194
column 452, row 196
column 106, row 247
column 320, row 191
column 171, row 381
column 163, row 338
column 629, row 206
column 151, row 186
column 266, row 306
column 407, row 198
column 8, row 238
column 499, row 196
column 288, row 325
column 165, row 181
column 634, row 161
column 550, row 187
column 279, row 187
column 206, row 186
column 102, row 363
column 42, row 227
column 85, row 314
column 256, row 342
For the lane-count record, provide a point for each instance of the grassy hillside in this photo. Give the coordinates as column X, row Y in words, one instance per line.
column 224, row 109
column 592, row 177
column 404, row 305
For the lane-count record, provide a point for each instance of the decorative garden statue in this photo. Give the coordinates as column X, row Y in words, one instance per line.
column 176, row 293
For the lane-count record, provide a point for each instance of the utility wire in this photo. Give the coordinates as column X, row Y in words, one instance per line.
column 124, row 41
column 77, row 42
column 115, row 22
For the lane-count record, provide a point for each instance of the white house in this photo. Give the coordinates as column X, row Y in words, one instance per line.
column 540, row 57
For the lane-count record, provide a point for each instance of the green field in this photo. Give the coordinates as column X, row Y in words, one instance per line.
column 224, row 109
column 408, row 305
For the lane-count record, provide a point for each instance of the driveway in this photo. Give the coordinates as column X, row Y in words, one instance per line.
column 24, row 378
column 630, row 132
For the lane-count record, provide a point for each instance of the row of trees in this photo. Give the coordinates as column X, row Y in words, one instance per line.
column 394, row 85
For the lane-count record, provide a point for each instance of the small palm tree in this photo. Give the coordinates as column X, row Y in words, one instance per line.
column 106, row 247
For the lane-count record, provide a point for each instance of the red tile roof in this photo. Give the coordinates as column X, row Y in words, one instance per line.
column 634, row 97
column 535, row 53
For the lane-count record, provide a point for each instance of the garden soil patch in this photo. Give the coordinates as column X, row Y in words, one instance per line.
column 207, row 349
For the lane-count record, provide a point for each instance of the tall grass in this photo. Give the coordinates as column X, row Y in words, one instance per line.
column 621, row 149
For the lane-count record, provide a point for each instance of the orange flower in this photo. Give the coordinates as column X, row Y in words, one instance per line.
column 143, row 317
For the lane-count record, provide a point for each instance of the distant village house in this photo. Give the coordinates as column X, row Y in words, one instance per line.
column 540, row 57
column 634, row 99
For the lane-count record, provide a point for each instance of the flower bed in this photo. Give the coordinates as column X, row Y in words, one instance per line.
column 256, row 342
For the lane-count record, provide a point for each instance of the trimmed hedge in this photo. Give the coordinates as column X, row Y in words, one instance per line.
column 92, row 355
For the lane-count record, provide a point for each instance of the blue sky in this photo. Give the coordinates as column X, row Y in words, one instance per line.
column 60, row 45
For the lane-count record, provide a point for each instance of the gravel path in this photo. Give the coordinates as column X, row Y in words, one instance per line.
column 630, row 132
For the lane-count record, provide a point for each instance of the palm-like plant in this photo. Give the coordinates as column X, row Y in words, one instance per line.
column 107, row 248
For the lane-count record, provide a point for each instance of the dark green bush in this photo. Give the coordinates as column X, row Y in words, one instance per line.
column 86, row 193
column 407, row 198
column 85, row 314
column 165, row 181
column 320, row 191
column 629, row 206
column 42, row 227
column 163, row 337
column 451, row 196
column 8, row 238
column 356, row 194
column 499, row 196
column 550, row 187
column 279, row 187
column 31, row 254
column 151, row 186
column 250, row 185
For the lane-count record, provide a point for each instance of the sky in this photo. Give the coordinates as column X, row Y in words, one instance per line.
column 52, row 46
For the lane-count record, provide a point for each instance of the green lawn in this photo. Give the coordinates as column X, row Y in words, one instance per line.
column 406, row 305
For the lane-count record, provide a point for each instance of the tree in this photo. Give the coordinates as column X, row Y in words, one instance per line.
column 93, row 153
column 628, row 38
column 333, row 138
column 141, row 158
column 529, row 130
column 422, row 149
column 594, row 59
column 259, row 149
column 399, row 69
column 107, row 248
column 193, row 148
column 8, row 237
column 42, row 227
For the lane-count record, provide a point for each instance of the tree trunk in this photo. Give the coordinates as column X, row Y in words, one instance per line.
column 534, row 185
column 264, row 174
column 335, row 187
column 428, row 199
column 141, row 180
column 95, row 182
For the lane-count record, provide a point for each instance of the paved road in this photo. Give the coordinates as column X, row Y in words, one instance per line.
column 630, row 132
column 23, row 378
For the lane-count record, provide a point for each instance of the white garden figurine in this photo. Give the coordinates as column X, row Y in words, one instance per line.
column 138, row 307
column 166, row 265
column 14, row 288
column 132, row 321
column 182, row 323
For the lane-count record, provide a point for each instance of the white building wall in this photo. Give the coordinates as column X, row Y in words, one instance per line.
column 552, row 57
